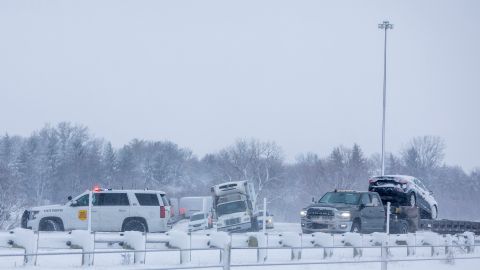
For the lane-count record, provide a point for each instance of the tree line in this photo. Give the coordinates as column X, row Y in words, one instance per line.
column 57, row 161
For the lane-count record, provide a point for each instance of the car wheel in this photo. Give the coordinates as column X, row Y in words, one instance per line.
column 412, row 200
column 135, row 225
column 50, row 225
column 434, row 213
column 356, row 227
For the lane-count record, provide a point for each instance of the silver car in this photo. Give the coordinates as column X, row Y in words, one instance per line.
column 200, row 221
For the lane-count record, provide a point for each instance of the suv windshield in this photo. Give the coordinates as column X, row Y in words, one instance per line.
column 340, row 197
column 231, row 207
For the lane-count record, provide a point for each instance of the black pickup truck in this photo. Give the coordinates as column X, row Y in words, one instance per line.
column 352, row 211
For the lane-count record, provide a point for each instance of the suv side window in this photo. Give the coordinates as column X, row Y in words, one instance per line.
column 82, row 201
column 110, row 199
column 147, row 199
column 365, row 199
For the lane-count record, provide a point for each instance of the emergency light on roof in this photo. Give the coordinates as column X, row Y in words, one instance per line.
column 96, row 188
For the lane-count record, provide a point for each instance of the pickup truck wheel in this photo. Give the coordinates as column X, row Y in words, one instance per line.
column 134, row 224
column 50, row 225
column 356, row 227
column 403, row 228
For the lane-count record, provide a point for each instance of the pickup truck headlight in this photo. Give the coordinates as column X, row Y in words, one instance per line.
column 303, row 213
column 345, row 214
column 33, row 215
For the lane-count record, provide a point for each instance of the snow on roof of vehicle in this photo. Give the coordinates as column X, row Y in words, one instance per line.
column 127, row 190
column 396, row 176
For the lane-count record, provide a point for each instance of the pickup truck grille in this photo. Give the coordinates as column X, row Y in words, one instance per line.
column 232, row 221
column 316, row 212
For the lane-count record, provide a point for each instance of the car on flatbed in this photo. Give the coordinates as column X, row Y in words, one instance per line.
column 404, row 190
column 111, row 211
column 351, row 211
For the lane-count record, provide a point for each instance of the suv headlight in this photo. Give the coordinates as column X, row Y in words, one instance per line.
column 345, row 215
column 33, row 215
column 303, row 213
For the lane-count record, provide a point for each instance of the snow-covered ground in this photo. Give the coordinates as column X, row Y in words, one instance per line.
column 283, row 232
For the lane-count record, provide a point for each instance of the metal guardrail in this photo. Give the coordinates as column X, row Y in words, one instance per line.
column 226, row 264
column 295, row 242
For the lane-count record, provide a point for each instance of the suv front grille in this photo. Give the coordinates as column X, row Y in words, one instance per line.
column 316, row 212
column 232, row 221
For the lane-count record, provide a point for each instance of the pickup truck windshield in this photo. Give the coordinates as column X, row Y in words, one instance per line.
column 231, row 207
column 340, row 197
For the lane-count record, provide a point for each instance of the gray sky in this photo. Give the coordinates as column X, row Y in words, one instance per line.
column 306, row 74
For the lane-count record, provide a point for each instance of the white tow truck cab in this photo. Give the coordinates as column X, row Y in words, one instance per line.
column 235, row 206
column 112, row 211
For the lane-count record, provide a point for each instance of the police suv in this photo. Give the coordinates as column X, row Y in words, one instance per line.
column 112, row 211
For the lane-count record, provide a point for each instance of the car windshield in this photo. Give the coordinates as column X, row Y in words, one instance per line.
column 231, row 207
column 197, row 217
column 340, row 197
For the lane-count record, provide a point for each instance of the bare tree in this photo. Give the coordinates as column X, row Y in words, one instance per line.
column 423, row 154
column 259, row 162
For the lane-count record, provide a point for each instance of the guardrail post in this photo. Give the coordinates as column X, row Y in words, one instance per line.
column 384, row 254
column 85, row 241
column 226, row 256
column 469, row 241
column 26, row 239
column 136, row 241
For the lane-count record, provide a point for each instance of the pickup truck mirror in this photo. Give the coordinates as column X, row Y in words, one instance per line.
column 69, row 198
column 362, row 205
column 313, row 199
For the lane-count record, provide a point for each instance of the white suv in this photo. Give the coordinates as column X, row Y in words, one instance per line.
column 112, row 211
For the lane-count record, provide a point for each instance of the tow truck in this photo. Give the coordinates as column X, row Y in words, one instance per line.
column 363, row 212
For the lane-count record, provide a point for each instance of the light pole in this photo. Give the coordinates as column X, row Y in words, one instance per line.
column 385, row 26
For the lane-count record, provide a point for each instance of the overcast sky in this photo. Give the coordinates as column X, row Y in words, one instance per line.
column 306, row 74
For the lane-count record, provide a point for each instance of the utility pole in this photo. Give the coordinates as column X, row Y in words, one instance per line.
column 384, row 26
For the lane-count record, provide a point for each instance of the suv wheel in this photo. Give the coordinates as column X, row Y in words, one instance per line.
column 50, row 225
column 412, row 200
column 356, row 227
column 135, row 224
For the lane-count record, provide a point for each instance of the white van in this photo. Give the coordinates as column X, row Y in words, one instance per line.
column 192, row 205
column 112, row 211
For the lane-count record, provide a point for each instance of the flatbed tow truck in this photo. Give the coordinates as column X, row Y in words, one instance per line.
column 364, row 212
